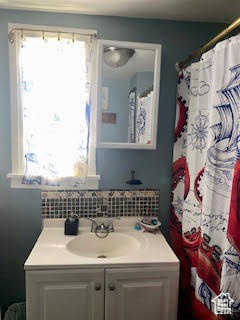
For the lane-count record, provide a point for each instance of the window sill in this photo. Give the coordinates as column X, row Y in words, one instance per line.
column 91, row 183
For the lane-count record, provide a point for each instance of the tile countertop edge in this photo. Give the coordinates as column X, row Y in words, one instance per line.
column 85, row 222
column 174, row 266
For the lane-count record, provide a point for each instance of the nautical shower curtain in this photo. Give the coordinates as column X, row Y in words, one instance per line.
column 144, row 118
column 205, row 210
column 132, row 116
column 140, row 117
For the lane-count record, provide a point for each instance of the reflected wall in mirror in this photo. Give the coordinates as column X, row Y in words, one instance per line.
column 128, row 90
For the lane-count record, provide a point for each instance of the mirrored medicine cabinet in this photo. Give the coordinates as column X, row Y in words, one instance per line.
column 128, row 80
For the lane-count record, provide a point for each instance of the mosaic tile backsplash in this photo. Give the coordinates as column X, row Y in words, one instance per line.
column 100, row 203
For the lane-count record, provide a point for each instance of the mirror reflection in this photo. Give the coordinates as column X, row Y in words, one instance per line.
column 127, row 95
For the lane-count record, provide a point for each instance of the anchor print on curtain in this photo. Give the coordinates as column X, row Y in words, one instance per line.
column 205, row 210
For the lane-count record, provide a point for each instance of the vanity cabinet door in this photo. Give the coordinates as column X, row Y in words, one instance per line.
column 141, row 293
column 65, row 294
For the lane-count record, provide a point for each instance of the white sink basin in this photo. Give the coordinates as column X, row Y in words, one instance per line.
column 114, row 245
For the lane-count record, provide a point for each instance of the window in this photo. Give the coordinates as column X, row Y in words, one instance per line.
column 52, row 107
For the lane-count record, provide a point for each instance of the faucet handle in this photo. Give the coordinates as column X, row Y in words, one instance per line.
column 94, row 224
column 90, row 219
column 110, row 224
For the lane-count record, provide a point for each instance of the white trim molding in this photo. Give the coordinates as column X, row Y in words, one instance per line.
column 91, row 182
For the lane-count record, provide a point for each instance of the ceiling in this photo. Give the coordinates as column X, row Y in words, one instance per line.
column 141, row 61
column 189, row 10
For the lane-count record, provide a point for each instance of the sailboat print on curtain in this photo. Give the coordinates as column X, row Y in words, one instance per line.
column 205, row 211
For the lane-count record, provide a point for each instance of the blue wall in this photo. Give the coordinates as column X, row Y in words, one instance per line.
column 142, row 81
column 20, row 209
column 118, row 91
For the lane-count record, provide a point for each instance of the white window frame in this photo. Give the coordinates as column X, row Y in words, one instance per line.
column 16, row 175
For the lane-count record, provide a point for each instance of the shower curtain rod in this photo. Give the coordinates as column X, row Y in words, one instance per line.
column 146, row 92
column 198, row 52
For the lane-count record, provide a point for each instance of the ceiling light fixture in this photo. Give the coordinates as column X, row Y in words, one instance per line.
column 117, row 57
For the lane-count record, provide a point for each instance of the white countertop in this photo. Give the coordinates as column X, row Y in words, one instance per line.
column 50, row 250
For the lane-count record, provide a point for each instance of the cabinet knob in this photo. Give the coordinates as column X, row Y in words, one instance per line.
column 98, row 286
column 111, row 286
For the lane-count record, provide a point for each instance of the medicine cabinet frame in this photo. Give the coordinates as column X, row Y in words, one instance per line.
column 156, row 84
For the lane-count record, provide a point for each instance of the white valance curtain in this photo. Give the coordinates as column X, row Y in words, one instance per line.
column 55, row 79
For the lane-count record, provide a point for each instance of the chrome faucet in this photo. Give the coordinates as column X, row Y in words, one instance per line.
column 103, row 227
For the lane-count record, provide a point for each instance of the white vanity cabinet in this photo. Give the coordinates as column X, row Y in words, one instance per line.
column 102, row 294
column 141, row 293
column 65, row 294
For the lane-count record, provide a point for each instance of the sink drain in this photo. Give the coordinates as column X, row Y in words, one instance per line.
column 102, row 256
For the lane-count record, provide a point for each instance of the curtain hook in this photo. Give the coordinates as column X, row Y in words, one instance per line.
column 21, row 34
column 73, row 37
column 11, row 36
column 59, row 34
column 43, row 35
